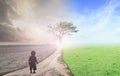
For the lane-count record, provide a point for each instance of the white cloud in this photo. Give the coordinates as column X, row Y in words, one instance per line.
column 104, row 15
column 99, row 26
column 116, row 31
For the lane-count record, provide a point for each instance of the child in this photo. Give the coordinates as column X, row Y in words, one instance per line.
column 32, row 62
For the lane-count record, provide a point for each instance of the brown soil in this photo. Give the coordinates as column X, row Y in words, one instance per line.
column 52, row 66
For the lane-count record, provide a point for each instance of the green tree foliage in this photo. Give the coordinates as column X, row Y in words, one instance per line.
column 62, row 29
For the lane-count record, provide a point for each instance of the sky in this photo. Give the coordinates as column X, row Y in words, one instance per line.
column 27, row 20
column 97, row 21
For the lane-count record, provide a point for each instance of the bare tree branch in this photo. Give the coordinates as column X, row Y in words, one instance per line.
column 63, row 28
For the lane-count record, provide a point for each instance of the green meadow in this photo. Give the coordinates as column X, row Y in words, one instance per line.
column 93, row 61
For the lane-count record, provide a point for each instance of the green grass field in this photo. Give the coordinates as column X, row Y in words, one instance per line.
column 93, row 61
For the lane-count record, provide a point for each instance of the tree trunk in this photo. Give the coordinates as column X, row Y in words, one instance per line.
column 60, row 43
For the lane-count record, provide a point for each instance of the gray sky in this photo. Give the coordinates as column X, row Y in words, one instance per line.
column 29, row 16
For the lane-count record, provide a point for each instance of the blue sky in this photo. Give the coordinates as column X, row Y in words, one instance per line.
column 84, row 6
column 98, row 21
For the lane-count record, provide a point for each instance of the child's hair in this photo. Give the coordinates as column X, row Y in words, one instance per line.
column 33, row 53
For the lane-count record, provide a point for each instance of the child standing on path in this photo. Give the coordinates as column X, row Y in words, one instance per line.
column 32, row 62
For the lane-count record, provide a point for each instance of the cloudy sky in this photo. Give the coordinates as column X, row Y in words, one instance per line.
column 97, row 20
column 22, row 20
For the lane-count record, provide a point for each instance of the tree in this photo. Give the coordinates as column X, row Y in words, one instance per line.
column 62, row 29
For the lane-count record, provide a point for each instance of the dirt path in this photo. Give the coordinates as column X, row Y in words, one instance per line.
column 52, row 66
